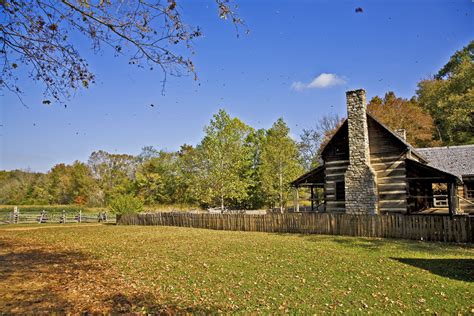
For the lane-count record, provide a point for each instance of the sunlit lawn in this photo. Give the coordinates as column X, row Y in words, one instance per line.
column 77, row 268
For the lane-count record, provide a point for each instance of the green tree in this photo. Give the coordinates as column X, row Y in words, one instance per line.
column 113, row 172
column 68, row 184
column 148, row 152
column 155, row 179
column 449, row 98
column 125, row 204
column 223, row 158
column 280, row 163
column 187, row 175
column 255, row 194
column 83, row 184
column 18, row 187
column 60, row 184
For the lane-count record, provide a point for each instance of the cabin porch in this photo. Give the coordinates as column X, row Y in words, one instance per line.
column 310, row 187
column 430, row 190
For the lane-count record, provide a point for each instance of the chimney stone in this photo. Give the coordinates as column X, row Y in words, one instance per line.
column 401, row 132
column 360, row 178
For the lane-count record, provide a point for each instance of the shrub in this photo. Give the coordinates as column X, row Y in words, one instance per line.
column 125, row 204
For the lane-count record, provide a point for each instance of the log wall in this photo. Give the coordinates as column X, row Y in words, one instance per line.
column 387, row 158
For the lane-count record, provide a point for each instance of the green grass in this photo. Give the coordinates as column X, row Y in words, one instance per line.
column 198, row 270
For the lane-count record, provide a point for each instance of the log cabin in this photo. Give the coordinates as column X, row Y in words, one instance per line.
column 369, row 169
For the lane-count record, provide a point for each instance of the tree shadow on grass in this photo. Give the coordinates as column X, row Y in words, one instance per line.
column 30, row 279
column 456, row 269
column 35, row 279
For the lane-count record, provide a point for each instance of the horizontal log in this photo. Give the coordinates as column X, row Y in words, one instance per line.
column 336, row 168
column 335, row 203
column 336, row 162
column 390, row 166
column 335, row 176
column 393, row 209
column 393, row 204
column 400, row 179
column 384, row 158
column 392, row 196
column 391, row 173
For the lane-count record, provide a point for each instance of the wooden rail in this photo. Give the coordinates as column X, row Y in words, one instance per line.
column 44, row 217
column 418, row 227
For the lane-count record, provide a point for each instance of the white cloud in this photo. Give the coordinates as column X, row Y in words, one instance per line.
column 322, row 81
column 298, row 86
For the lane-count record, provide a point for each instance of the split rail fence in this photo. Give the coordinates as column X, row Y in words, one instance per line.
column 419, row 227
column 45, row 217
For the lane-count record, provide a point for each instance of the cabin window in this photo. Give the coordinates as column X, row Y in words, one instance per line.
column 470, row 190
column 340, row 191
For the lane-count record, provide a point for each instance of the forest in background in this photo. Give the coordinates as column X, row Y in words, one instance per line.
column 237, row 166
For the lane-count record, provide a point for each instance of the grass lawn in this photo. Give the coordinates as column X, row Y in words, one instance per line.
column 107, row 268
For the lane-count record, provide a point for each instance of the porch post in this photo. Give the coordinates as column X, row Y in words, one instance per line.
column 452, row 199
column 312, row 199
column 297, row 200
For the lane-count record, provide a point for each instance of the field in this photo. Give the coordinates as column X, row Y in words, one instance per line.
column 108, row 268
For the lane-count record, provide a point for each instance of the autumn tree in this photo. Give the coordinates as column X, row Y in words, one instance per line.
column 39, row 38
column 223, row 158
column 399, row 113
column 449, row 98
column 280, row 164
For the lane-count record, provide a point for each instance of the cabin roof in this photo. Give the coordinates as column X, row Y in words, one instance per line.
column 397, row 137
column 458, row 160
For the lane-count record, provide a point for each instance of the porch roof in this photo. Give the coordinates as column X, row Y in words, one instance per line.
column 424, row 172
column 314, row 177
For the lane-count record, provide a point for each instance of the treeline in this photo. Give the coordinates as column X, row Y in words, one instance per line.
column 237, row 166
column 234, row 166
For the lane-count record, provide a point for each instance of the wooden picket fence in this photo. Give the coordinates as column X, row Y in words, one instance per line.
column 419, row 227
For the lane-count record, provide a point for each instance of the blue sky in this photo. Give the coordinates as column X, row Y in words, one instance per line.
column 258, row 77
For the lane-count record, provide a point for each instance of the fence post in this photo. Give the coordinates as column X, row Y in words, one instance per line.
column 41, row 217
column 16, row 215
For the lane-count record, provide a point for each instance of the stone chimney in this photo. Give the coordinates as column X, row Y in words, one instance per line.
column 360, row 179
column 402, row 133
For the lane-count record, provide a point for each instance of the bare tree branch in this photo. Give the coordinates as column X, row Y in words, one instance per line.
column 35, row 38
